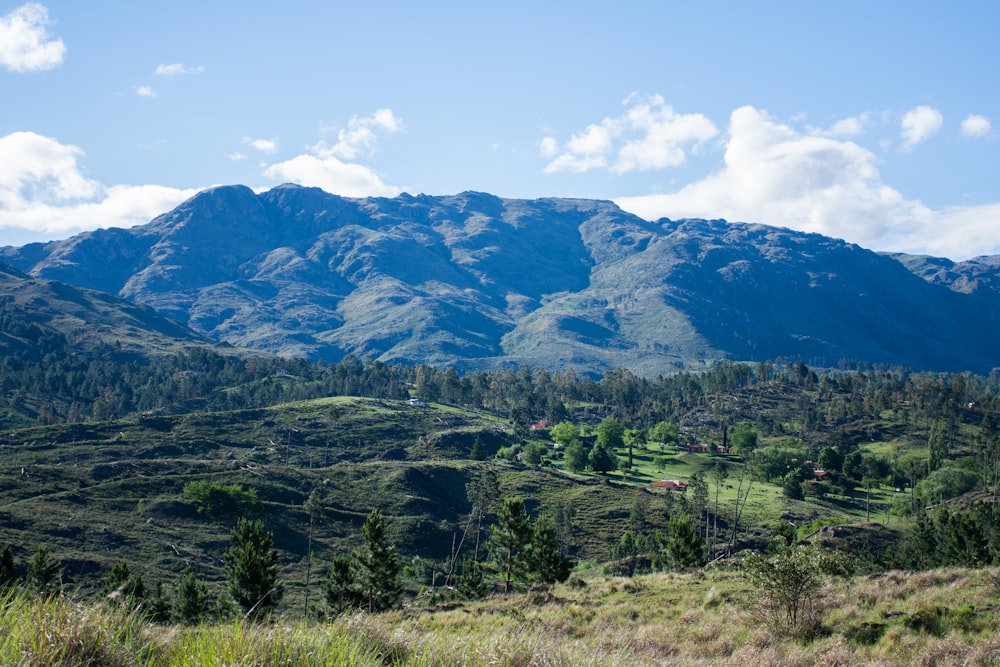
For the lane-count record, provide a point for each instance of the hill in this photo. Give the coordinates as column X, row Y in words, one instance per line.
column 44, row 316
column 476, row 281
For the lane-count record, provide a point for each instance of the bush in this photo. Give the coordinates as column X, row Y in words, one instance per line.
column 222, row 500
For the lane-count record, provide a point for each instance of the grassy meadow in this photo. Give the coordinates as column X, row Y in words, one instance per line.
column 940, row 617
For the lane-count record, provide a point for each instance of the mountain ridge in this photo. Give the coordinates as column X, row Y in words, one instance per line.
column 477, row 281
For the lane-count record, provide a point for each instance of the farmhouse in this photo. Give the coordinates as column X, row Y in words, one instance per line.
column 670, row 485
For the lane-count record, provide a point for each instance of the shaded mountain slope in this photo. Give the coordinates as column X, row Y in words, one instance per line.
column 477, row 281
column 45, row 315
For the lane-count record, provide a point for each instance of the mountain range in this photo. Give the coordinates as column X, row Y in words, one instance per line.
column 478, row 281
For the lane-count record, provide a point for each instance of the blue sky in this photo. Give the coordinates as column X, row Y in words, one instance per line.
column 872, row 122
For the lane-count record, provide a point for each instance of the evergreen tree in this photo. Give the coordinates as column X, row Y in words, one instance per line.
column 684, row 547
column 158, row 608
column 122, row 586
column 8, row 568
column 377, row 566
column 251, row 566
column 602, row 459
column 483, row 493
column 472, row 583
column 510, row 537
column 191, row 601
column 576, row 456
column 937, row 447
column 478, row 452
column 44, row 574
column 341, row 586
column 546, row 560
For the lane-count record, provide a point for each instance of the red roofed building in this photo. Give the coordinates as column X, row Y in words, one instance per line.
column 670, row 485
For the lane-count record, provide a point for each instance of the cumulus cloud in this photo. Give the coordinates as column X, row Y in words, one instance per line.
column 649, row 135
column 360, row 137
column 45, row 193
column 328, row 166
column 919, row 124
column 779, row 176
column 262, row 145
column 25, row 44
column 176, row 69
column 333, row 175
column 976, row 126
column 145, row 91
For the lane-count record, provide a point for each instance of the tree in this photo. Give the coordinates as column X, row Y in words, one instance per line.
column 341, row 586
column 602, row 459
column 547, row 563
column 8, row 568
column 510, row 537
column 483, row 493
column 564, row 433
column 784, row 588
column 534, row 453
column 576, row 456
column 377, row 566
column 743, row 439
column 698, row 487
column 122, row 586
column 685, row 547
column 251, row 567
column 720, row 473
column 479, row 451
column 663, row 433
column 633, row 438
column 937, row 446
column 44, row 573
column 610, row 434
column 191, row 601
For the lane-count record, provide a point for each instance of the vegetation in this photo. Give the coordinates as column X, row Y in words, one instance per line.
column 898, row 469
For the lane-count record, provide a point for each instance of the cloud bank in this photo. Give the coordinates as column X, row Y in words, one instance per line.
column 776, row 175
column 25, row 44
column 45, row 193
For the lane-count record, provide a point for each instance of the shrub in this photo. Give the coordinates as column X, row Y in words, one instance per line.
column 222, row 500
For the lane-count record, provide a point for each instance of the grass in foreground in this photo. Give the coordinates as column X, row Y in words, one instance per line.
column 941, row 617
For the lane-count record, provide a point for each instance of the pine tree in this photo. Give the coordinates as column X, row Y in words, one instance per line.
column 341, row 586
column 122, row 586
column 377, row 566
column 251, row 567
column 8, row 569
column 546, row 560
column 684, row 546
column 507, row 543
column 44, row 574
column 191, row 602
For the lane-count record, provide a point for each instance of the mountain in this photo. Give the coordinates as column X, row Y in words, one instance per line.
column 477, row 281
column 51, row 316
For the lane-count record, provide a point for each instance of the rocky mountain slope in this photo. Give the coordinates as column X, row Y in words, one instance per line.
column 474, row 280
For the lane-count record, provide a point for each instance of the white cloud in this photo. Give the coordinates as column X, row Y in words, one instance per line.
column 145, row 91
column 25, row 45
column 262, row 145
column 976, row 126
column 175, row 69
column 919, row 124
column 360, row 137
column 548, row 147
column 328, row 167
column 333, row 175
column 778, row 176
column 847, row 127
column 45, row 193
column 649, row 135
column 236, row 156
